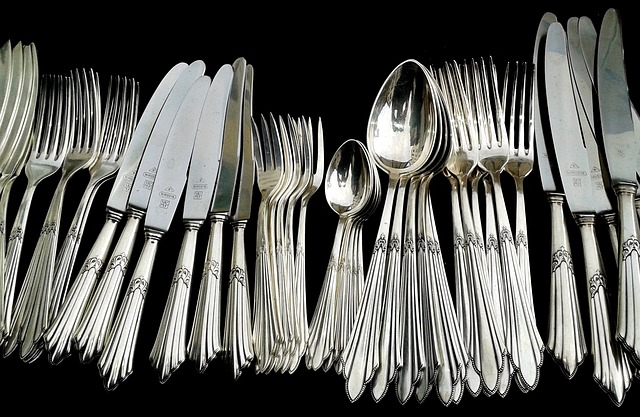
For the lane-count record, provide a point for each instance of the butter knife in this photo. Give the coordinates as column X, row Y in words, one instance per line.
column 116, row 361
column 204, row 341
column 170, row 346
column 58, row 337
column 135, row 185
column 621, row 151
column 612, row 369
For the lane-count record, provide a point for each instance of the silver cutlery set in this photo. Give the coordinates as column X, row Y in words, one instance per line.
column 400, row 318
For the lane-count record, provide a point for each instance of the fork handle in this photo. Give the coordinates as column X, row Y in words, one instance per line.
column 565, row 340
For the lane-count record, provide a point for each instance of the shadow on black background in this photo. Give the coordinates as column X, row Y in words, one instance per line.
column 322, row 63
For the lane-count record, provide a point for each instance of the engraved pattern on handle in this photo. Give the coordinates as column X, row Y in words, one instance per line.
column 169, row 349
column 116, row 361
column 612, row 368
column 360, row 357
column 237, row 339
column 566, row 340
column 58, row 337
column 628, row 322
column 205, row 339
column 90, row 336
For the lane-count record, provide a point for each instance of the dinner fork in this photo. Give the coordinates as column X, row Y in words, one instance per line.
column 51, row 131
column 521, row 157
column 32, row 307
column 119, row 119
column 524, row 344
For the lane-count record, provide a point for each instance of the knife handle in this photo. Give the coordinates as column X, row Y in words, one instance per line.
column 58, row 336
column 204, row 341
column 116, row 361
column 170, row 346
column 90, row 335
column 612, row 368
column 565, row 340
column 611, row 221
column 628, row 327
column 237, row 338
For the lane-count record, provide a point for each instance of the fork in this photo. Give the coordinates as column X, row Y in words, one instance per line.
column 45, row 158
column 524, row 344
column 117, row 128
column 34, row 301
column 521, row 158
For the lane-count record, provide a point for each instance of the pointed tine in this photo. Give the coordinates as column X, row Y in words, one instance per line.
column 257, row 139
column 44, row 116
column 65, row 125
column 531, row 113
column 131, row 113
column 512, row 85
column 319, row 156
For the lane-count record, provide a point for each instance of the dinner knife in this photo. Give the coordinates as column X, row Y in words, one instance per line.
column 237, row 338
column 621, row 150
column 90, row 334
column 58, row 336
column 170, row 346
column 116, row 361
column 204, row 341
column 565, row 339
column 612, row 369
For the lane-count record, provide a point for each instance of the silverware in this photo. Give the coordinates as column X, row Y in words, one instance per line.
column 116, row 361
column 204, row 341
column 170, row 346
column 565, row 337
column 132, row 189
column 620, row 146
column 237, row 340
column 612, row 369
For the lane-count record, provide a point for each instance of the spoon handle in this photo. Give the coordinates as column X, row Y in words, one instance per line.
column 361, row 354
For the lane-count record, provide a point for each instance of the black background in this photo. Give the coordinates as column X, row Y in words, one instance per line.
column 310, row 60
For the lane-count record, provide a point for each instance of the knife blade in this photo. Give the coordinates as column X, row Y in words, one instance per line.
column 237, row 338
column 89, row 335
column 115, row 362
column 169, row 349
column 204, row 340
column 621, row 152
column 611, row 364
column 565, row 338
column 58, row 337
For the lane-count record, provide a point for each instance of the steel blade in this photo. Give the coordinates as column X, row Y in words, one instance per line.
column 570, row 151
column 547, row 167
column 584, row 94
column 225, row 187
column 242, row 208
column 205, row 162
column 146, row 172
column 124, row 179
column 616, row 120
column 171, row 176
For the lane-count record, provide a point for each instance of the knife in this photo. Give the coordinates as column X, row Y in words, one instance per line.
column 204, row 341
column 95, row 323
column 58, row 337
column 611, row 365
column 237, row 337
column 565, row 340
column 585, row 47
column 116, row 361
column 169, row 349
column 621, row 151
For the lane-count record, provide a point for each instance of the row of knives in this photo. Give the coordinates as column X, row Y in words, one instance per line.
column 587, row 155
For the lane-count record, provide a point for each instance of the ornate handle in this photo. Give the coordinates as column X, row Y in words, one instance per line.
column 612, row 369
column 237, row 338
column 95, row 323
column 522, row 242
column 170, row 347
column 58, row 337
column 116, row 361
column 204, row 341
column 566, row 341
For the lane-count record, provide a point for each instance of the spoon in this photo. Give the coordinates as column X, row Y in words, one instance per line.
column 399, row 139
column 349, row 189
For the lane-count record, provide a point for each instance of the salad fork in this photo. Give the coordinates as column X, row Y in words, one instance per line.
column 521, row 157
column 32, row 316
